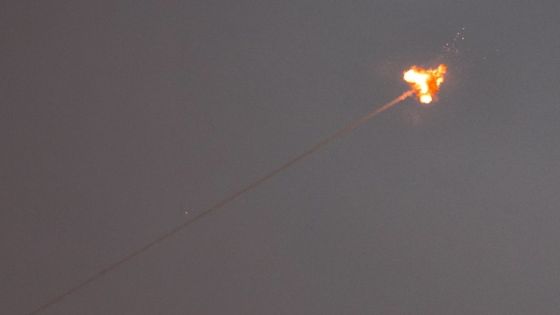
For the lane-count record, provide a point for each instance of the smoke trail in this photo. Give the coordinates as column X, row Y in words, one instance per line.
column 163, row 237
column 339, row 133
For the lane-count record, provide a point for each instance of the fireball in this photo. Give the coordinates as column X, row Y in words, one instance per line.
column 425, row 82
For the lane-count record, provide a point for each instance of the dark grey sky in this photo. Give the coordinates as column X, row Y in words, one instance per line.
column 118, row 116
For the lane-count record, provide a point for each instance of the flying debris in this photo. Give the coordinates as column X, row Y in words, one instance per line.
column 452, row 47
column 425, row 82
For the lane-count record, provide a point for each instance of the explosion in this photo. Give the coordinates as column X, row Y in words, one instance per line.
column 425, row 82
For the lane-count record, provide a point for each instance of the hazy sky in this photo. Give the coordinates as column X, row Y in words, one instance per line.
column 119, row 116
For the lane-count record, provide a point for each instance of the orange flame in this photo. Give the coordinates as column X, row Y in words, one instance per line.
column 425, row 82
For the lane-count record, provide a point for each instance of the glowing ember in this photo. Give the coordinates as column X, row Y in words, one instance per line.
column 425, row 82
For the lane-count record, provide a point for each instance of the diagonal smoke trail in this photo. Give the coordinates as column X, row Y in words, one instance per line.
column 339, row 133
